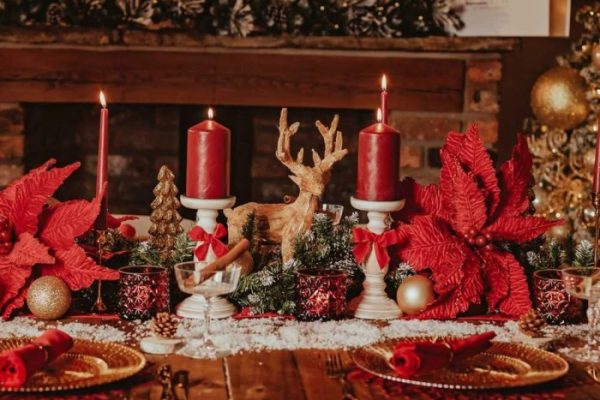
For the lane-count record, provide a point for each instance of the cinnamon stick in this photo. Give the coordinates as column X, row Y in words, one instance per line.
column 233, row 254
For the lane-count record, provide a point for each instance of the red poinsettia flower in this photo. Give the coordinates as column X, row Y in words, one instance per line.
column 454, row 229
column 31, row 236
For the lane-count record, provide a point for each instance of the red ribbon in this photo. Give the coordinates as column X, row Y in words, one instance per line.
column 207, row 240
column 365, row 240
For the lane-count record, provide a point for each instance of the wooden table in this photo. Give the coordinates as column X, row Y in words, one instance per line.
column 297, row 375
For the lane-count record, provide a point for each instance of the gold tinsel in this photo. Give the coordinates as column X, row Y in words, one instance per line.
column 558, row 98
column 166, row 221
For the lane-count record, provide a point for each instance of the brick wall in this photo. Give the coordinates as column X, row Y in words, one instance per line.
column 11, row 142
column 143, row 137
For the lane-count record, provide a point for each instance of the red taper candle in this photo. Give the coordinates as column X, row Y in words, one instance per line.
column 596, row 182
column 378, row 162
column 102, row 165
column 208, row 160
column 384, row 100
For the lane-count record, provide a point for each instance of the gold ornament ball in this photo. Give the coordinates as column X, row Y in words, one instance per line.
column 540, row 196
column 414, row 294
column 559, row 232
column 558, row 98
column 48, row 297
column 596, row 57
column 589, row 159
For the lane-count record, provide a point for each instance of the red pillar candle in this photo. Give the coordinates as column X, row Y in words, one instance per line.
column 384, row 100
column 378, row 162
column 102, row 164
column 208, row 153
column 596, row 182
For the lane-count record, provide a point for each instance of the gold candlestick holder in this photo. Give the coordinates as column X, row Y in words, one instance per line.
column 99, row 306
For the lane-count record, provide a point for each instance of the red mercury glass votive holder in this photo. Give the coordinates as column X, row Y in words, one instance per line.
column 553, row 302
column 321, row 294
column 143, row 292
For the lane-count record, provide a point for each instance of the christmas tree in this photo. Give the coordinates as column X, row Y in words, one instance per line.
column 166, row 221
column 565, row 101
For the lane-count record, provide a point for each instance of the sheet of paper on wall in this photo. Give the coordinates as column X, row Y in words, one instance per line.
column 516, row 18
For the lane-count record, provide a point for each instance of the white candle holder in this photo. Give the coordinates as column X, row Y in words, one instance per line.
column 206, row 218
column 373, row 302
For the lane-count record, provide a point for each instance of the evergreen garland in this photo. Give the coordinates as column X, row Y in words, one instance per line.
column 272, row 287
column 374, row 18
column 555, row 254
column 144, row 253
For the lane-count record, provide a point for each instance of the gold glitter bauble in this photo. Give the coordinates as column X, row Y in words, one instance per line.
column 589, row 159
column 596, row 57
column 558, row 98
column 559, row 232
column 414, row 294
column 48, row 297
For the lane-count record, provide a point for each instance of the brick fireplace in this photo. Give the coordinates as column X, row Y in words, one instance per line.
column 158, row 84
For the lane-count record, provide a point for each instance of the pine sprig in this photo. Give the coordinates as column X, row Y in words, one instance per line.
column 272, row 287
column 555, row 254
column 146, row 254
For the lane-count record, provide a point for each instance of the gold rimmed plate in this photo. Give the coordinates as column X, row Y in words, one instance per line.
column 504, row 365
column 87, row 364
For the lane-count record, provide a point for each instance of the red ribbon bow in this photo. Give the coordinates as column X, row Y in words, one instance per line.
column 364, row 240
column 207, row 240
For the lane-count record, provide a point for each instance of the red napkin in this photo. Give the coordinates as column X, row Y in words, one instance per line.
column 16, row 366
column 412, row 358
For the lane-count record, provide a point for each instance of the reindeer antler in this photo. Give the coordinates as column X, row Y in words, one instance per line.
column 334, row 151
column 283, row 145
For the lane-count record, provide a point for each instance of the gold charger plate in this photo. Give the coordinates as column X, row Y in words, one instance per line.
column 87, row 364
column 504, row 365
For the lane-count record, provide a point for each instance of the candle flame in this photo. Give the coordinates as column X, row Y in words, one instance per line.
column 379, row 115
column 384, row 82
column 211, row 113
column 102, row 99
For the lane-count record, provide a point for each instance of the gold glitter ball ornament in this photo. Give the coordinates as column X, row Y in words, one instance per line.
column 558, row 98
column 48, row 297
column 414, row 294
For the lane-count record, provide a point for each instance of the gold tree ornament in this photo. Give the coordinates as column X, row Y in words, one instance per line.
column 558, row 98
column 165, row 218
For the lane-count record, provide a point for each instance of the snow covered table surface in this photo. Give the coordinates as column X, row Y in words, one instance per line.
column 284, row 359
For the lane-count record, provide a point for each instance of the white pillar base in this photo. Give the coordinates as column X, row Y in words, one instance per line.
column 373, row 302
column 206, row 217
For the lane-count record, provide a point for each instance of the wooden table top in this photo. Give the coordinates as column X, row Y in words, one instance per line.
column 298, row 375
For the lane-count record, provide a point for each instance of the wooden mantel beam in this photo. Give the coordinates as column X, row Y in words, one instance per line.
column 43, row 67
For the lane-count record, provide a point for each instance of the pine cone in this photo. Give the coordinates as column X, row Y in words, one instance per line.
column 532, row 324
column 165, row 324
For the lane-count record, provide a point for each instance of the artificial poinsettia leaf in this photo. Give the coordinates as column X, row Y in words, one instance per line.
column 31, row 195
column 64, row 222
column 77, row 269
column 518, row 302
column 459, row 299
column 519, row 229
column 453, row 144
column 418, row 200
column 28, row 250
column 115, row 222
column 17, row 302
column 497, row 279
column 515, row 178
column 476, row 158
column 427, row 243
column 464, row 198
column 16, row 267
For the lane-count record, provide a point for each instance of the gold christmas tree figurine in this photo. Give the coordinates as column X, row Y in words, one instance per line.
column 166, row 221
